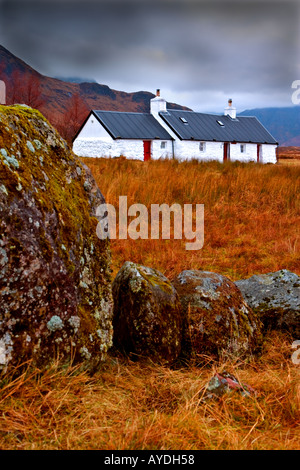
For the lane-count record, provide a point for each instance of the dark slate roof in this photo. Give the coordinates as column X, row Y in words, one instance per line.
column 122, row 125
column 200, row 126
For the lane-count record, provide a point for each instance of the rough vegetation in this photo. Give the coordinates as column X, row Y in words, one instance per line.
column 251, row 214
column 142, row 406
column 50, row 255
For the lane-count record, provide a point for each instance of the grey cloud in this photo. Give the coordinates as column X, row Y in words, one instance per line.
column 214, row 47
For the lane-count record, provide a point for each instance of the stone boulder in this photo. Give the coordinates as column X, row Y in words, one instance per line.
column 218, row 322
column 147, row 320
column 224, row 383
column 275, row 297
column 55, row 286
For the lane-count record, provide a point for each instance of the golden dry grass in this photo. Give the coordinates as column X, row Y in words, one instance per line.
column 143, row 406
column 251, row 225
column 289, row 156
column 252, row 214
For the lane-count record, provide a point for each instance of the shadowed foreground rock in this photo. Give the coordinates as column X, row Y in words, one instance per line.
column 218, row 321
column 147, row 320
column 275, row 297
column 55, row 291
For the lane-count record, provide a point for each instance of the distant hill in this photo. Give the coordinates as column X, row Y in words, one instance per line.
column 66, row 104
column 282, row 123
column 76, row 79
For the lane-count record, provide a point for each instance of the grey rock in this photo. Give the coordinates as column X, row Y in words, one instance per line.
column 223, row 383
column 217, row 320
column 276, row 298
column 147, row 319
column 49, row 249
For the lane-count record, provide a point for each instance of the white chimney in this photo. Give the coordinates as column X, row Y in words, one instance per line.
column 230, row 110
column 2, row 93
column 157, row 104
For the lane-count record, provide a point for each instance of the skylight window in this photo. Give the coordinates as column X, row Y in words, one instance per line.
column 183, row 120
column 221, row 123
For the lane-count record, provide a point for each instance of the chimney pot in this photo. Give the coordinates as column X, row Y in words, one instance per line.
column 157, row 103
column 230, row 110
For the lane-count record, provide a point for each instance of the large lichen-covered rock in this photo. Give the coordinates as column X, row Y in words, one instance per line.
column 147, row 320
column 55, row 289
column 275, row 297
column 218, row 322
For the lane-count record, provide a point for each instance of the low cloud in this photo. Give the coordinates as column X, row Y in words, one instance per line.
column 193, row 49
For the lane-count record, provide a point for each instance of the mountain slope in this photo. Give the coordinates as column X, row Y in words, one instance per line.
column 282, row 123
column 65, row 104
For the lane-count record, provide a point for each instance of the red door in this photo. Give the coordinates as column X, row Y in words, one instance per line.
column 147, row 150
column 258, row 153
column 225, row 156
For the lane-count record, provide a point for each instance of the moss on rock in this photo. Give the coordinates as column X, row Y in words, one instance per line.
column 218, row 322
column 147, row 320
column 275, row 298
column 53, row 266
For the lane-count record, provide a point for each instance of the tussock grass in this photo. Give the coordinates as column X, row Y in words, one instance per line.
column 252, row 214
column 140, row 405
column 251, row 226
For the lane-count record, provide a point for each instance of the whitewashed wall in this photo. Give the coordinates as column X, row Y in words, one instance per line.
column 189, row 149
column 249, row 154
column 158, row 152
column 107, row 147
column 268, row 153
column 93, row 129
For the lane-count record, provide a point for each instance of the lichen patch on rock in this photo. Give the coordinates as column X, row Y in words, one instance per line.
column 218, row 322
column 147, row 318
column 55, row 285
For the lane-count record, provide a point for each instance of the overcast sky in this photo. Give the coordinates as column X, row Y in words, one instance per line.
column 198, row 52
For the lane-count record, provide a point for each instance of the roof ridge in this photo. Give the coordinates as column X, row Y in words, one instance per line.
column 119, row 112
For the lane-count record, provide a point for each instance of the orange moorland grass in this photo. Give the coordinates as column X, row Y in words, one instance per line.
column 142, row 406
column 251, row 226
column 251, row 214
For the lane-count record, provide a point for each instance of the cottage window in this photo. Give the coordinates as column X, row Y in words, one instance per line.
column 163, row 145
column 202, row 146
column 243, row 148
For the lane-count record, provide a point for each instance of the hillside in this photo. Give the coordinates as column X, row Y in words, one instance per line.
column 282, row 123
column 65, row 104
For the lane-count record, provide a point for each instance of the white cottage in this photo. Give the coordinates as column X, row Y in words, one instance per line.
column 180, row 134
column 112, row 134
